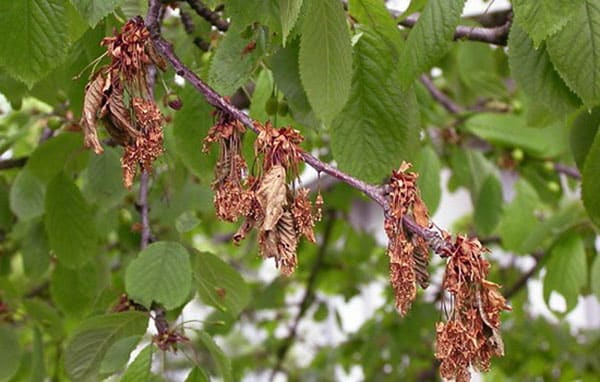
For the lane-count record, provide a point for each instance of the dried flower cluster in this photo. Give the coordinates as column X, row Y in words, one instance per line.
column 280, row 214
column 471, row 336
column 409, row 255
column 118, row 94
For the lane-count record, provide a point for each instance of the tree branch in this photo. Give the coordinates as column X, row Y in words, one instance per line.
column 522, row 281
column 212, row 17
column 307, row 298
column 440, row 96
column 496, row 35
column 7, row 164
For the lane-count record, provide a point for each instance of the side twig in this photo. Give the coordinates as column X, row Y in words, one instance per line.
column 7, row 164
column 212, row 17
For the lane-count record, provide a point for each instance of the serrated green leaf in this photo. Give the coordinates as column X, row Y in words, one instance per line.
column 429, row 40
column 590, row 184
column 35, row 250
column 45, row 316
column 536, row 75
column 54, row 155
column 595, row 277
column 220, row 285
column 543, row 18
column 95, row 10
column 575, row 51
column 488, row 206
column 375, row 15
column 190, row 127
column 265, row 12
column 10, row 352
column 34, row 38
column 74, row 290
column 232, row 63
column 428, row 166
column 286, row 73
column 27, row 196
column 197, row 375
column 326, row 58
column 118, row 354
column 161, row 273
column 566, row 270
column 221, row 359
column 512, row 131
column 378, row 127
column 91, row 340
column 583, row 130
column 518, row 217
column 139, row 370
column 289, row 11
column 69, row 223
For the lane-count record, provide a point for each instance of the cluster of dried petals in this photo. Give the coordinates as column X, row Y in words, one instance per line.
column 471, row 336
column 168, row 340
column 280, row 215
column 409, row 256
column 231, row 200
column 136, row 124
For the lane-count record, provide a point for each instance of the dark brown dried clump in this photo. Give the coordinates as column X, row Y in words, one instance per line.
column 409, row 256
column 118, row 94
column 471, row 336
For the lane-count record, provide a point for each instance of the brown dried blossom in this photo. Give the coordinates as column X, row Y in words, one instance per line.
column 278, row 146
column 471, row 337
column 302, row 211
column 119, row 95
column 409, row 256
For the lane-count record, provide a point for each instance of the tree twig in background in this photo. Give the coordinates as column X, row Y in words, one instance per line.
column 6, row 164
column 440, row 96
column 522, row 281
column 212, row 17
column 307, row 298
column 146, row 234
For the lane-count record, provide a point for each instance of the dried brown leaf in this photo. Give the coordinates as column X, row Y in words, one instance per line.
column 280, row 244
column 92, row 103
column 120, row 116
column 272, row 196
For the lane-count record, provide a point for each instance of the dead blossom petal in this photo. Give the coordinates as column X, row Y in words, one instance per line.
column 302, row 213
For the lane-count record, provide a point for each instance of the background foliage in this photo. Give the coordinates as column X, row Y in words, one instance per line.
column 515, row 126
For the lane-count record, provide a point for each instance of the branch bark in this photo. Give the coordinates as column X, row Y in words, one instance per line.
column 212, row 17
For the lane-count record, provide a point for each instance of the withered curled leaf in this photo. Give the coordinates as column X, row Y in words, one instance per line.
column 280, row 243
column 272, row 196
column 92, row 101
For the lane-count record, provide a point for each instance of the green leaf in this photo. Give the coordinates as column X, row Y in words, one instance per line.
column 118, row 354
column 265, row 12
column 161, row 273
column 535, row 74
column 477, row 70
column 95, row 10
column 91, row 340
column 488, row 206
column 34, row 37
column 223, row 362
column 220, row 285
column 139, row 370
column 413, row 7
column 38, row 368
column 10, row 352
column 35, row 250
column 74, row 290
column 27, row 195
column 575, row 51
column 590, row 184
column 190, row 127
column 429, row 40
column 69, row 223
column 56, row 154
column 511, row 131
column 566, row 270
column 197, row 375
column 375, row 15
column 583, row 130
column 543, row 18
column 518, row 217
column 286, row 73
column 45, row 316
column 289, row 11
column 378, row 127
column 232, row 65
column 103, row 184
column 428, row 166
column 326, row 58
column 595, row 277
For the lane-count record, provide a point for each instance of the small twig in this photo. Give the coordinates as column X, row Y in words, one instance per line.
column 143, row 204
column 496, row 35
column 307, row 298
column 522, row 281
column 6, row 164
column 571, row 172
column 212, row 17
column 440, row 96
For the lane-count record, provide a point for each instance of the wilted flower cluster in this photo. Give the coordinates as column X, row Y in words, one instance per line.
column 471, row 336
column 280, row 214
column 409, row 256
column 118, row 94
